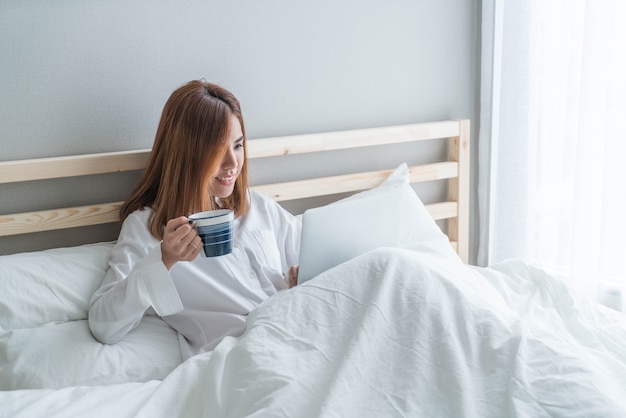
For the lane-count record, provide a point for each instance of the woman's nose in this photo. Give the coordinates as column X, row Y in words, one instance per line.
column 229, row 161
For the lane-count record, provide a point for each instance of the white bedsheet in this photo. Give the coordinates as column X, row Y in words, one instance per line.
column 389, row 334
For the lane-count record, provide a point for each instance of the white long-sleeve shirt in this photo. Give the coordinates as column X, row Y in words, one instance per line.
column 205, row 299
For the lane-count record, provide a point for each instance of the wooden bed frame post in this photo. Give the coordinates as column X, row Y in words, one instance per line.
column 458, row 191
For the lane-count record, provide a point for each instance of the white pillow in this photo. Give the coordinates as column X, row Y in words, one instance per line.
column 421, row 231
column 52, row 285
column 66, row 354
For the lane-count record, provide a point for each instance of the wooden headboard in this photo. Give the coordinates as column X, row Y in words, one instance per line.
column 454, row 209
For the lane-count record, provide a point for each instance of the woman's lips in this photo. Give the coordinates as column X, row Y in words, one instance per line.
column 227, row 180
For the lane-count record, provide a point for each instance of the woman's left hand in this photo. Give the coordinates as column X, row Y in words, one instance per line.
column 292, row 276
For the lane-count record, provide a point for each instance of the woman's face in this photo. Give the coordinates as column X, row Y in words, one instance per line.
column 223, row 180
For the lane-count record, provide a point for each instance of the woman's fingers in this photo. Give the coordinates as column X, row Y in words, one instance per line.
column 180, row 241
column 196, row 245
column 293, row 276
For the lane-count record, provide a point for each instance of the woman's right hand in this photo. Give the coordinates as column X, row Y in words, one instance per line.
column 180, row 242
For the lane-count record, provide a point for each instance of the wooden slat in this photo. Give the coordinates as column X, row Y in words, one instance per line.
column 111, row 162
column 330, row 141
column 75, row 165
column 50, row 220
column 301, row 189
column 21, row 223
column 443, row 210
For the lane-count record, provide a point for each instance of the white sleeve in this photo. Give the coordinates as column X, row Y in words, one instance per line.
column 288, row 229
column 136, row 280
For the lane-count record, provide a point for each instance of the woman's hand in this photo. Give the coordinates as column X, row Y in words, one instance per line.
column 180, row 242
column 292, row 276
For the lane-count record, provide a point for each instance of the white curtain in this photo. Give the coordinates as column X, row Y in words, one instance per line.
column 552, row 144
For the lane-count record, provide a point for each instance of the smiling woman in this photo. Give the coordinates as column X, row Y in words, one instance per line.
column 194, row 134
column 198, row 163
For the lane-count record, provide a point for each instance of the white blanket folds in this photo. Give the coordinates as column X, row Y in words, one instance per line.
column 391, row 333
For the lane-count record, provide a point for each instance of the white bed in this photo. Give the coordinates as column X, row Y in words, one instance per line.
column 411, row 331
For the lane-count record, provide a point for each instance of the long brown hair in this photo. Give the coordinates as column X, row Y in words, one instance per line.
column 191, row 140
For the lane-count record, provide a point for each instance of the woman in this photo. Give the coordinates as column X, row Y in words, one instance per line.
column 198, row 162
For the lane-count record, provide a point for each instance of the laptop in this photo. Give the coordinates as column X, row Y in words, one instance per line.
column 340, row 231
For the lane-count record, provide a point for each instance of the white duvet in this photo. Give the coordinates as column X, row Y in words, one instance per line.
column 392, row 333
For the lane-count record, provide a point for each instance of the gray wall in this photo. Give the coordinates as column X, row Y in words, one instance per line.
column 92, row 76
